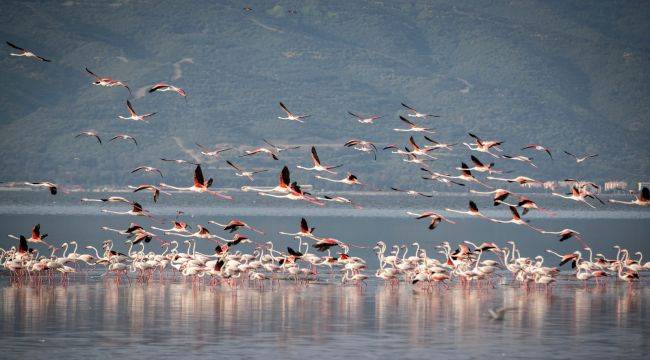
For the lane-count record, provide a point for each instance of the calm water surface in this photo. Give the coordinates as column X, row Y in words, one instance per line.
column 93, row 319
column 98, row 320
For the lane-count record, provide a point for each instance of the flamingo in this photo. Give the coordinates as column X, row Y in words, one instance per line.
column 179, row 161
column 580, row 159
column 411, row 192
column 577, row 195
column 200, row 185
column 26, row 53
column 107, row 81
column 243, row 173
column 162, row 87
column 435, row 218
column 521, row 180
column 295, row 193
column 350, row 179
column 90, row 133
column 147, row 169
column 280, row 149
column 516, row 219
column 52, row 187
column 260, row 150
column 115, row 199
column 317, row 164
column 414, row 113
column 291, row 116
column 538, row 147
column 340, row 200
column 124, row 137
column 484, row 146
column 36, row 236
column 500, row 195
column 235, row 224
column 440, row 177
column 465, row 175
column 521, row 158
column 282, row 187
column 439, row 145
column 480, row 167
column 365, row 120
column 565, row 234
column 133, row 115
column 305, row 230
column 363, row 146
column 413, row 127
column 472, row 210
column 154, row 190
column 641, row 199
column 136, row 210
column 214, row 153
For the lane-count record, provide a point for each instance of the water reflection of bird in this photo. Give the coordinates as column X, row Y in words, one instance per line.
column 499, row 314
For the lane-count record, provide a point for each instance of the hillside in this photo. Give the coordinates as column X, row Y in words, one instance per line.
column 572, row 75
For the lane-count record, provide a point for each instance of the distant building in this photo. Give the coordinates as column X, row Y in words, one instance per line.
column 643, row 184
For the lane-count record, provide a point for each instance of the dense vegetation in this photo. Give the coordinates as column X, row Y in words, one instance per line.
column 572, row 75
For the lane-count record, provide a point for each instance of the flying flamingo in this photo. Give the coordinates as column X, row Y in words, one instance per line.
column 641, row 199
column 295, row 193
column 208, row 152
column 435, row 218
column 154, row 190
column 440, row 177
column 36, row 237
column 500, row 195
column 234, row 225
column 472, row 210
column 134, row 116
column 363, row 146
column 519, row 180
column 280, row 149
column 538, row 148
column 480, row 167
column 411, row 192
column 200, row 185
column 516, row 219
column 414, row 127
column 580, row 159
column 52, row 187
column 414, row 113
column 282, row 187
column 350, row 179
column 90, row 134
column 291, row 116
column 521, row 158
column 466, row 175
column 161, row 86
column 136, row 210
column 577, row 195
column 317, row 165
column 305, row 230
column 113, row 199
column 340, row 200
column 124, row 137
column 243, row 173
column 179, row 161
column 107, row 81
column 260, row 150
column 147, row 169
column 365, row 120
column 26, row 53
column 484, row 146
column 178, row 226
column 439, row 145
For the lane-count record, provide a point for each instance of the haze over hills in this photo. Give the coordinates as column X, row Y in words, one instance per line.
column 571, row 75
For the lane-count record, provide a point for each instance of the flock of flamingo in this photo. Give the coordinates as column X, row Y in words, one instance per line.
column 318, row 257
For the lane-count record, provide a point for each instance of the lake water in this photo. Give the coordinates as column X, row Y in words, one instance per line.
column 92, row 318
